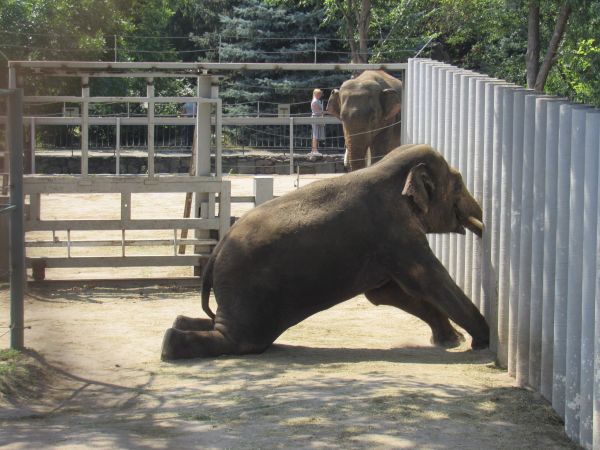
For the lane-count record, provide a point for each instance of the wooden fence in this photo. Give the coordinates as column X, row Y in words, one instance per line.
column 532, row 161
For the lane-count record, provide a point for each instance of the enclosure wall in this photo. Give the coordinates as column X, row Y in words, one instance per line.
column 532, row 162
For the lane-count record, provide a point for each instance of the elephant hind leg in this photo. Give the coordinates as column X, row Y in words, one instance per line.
column 443, row 333
column 178, row 344
column 184, row 323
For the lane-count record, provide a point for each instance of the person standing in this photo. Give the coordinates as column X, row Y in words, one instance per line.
column 318, row 130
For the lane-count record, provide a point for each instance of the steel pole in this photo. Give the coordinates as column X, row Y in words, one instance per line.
column 16, row 230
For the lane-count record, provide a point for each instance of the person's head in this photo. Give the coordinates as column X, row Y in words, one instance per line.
column 317, row 93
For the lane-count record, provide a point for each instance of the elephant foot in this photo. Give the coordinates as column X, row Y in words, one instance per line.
column 178, row 344
column 173, row 345
column 447, row 338
column 184, row 323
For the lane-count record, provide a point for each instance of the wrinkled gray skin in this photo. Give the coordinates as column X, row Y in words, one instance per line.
column 368, row 102
column 313, row 248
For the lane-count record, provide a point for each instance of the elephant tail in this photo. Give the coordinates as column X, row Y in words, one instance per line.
column 207, row 282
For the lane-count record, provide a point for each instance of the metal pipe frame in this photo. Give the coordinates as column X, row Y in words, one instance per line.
column 16, row 209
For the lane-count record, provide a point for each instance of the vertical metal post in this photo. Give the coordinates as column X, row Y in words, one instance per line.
column 291, row 146
column 32, row 144
column 522, row 373
column 596, row 354
column 440, row 92
column 549, row 269
column 488, row 278
column 219, row 138
column 575, row 271
column 405, row 111
column 85, row 124
column 478, row 183
column 559, row 358
column 426, row 116
column 203, row 127
column 447, row 150
column 470, row 182
column 416, row 94
column 408, row 108
column 315, row 61
column 16, row 230
column 537, row 244
column 263, row 189
column 507, row 99
column 590, row 233
column 462, row 167
column 515, row 225
column 454, row 158
column 118, row 147
column 115, row 45
column 202, row 164
column 150, row 140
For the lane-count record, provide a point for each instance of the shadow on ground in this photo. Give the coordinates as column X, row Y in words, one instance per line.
column 292, row 397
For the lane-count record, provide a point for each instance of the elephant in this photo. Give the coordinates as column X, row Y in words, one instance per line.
column 369, row 108
column 308, row 250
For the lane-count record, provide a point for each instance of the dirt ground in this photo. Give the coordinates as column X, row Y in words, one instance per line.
column 354, row 376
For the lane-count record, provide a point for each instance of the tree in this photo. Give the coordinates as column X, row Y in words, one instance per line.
column 537, row 73
column 256, row 31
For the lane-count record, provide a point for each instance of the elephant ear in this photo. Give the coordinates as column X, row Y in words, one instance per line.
column 419, row 187
column 333, row 104
column 390, row 104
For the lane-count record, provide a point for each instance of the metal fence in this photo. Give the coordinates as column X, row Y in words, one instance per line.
column 237, row 136
column 12, row 206
column 532, row 161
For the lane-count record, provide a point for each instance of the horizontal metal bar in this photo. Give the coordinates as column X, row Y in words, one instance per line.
column 242, row 199
column 73, row 184
column 78, row 99
column 195, row 66
column 5, row 209
column 178, row 121
column 150, row 224
column 119, row 243
column 120, row 261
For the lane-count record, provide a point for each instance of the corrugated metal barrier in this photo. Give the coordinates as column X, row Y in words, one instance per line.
column 532, row 162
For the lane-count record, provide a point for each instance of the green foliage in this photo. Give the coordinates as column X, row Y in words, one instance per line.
column 257, row 31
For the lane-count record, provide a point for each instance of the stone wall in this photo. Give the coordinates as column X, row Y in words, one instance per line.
column 235, row 164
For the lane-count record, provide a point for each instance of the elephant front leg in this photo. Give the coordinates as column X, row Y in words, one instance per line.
column 422, row 275
column 443, row 333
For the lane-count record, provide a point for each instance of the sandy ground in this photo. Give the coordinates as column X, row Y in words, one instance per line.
column 355, row 376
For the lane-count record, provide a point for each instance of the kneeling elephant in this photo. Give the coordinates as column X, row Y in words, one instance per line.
column 364, row 232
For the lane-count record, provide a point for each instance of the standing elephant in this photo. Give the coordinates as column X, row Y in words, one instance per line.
column 369, row 108
column 363, row 232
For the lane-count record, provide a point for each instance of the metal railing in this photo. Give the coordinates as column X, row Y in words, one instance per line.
column 16, row 237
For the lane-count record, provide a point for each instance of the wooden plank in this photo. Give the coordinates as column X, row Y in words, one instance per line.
column 148, row 224
column 118, row 261
column 105, row 184
column 119, row 242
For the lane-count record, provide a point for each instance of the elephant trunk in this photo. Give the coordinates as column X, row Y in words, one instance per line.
column 356, row 149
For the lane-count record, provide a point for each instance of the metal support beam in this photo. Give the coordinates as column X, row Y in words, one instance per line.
column 16, row 234
column 85, row 126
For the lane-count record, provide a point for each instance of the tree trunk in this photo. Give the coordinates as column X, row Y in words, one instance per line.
column 347, row 7
column 550, row 58
column 363, row 20
column 532, row 57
